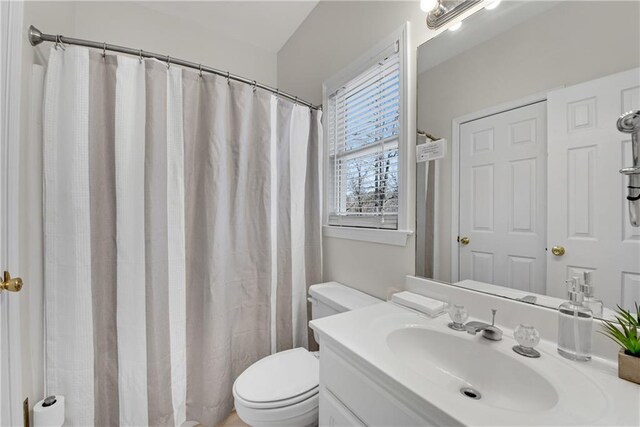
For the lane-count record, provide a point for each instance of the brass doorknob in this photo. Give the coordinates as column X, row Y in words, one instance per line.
column 463, row 240
column 9, row 284
column 558, row 250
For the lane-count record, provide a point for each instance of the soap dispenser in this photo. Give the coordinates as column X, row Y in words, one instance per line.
column 575, row 322
column 594, row 304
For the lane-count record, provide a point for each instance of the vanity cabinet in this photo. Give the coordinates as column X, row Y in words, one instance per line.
column 353, row 394
column 385, row 365
column 334, row 413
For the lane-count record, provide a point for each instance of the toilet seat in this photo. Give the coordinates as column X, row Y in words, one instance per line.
column 279, row 390
column 279, row 380
column 304, row 413
column 275, row 403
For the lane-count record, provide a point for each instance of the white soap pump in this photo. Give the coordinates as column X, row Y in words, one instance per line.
column 575, row 323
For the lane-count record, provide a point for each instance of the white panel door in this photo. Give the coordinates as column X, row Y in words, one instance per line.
column 587, row 208
column 503, row 198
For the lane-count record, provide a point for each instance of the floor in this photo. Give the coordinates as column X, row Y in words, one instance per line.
column 233, row 421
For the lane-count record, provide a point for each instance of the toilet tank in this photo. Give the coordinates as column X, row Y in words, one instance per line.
column 332, row 298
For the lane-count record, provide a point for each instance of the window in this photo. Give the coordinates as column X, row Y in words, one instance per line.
column 364, row 133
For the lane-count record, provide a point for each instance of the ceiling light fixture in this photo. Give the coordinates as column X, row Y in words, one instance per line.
column 428, row 5
column 456, row 26
column 447, row 11
column 493, row 5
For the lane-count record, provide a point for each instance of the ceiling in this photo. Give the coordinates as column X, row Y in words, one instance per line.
column 264, row 24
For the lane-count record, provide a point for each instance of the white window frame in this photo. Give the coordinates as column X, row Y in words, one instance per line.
column 367, row 60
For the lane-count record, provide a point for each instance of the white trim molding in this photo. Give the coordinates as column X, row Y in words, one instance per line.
column 11, row 14
column 373, row 235
column 405, row 145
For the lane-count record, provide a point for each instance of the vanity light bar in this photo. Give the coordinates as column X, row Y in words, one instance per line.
column 447, row 10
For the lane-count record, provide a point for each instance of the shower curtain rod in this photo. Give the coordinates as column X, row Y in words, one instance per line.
column 36, row 37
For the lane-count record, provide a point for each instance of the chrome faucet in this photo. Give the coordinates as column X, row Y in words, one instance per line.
column 489, row 331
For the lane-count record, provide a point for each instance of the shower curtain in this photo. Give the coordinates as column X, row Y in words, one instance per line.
column 182, row 228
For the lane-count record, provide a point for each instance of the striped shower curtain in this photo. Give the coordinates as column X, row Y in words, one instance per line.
column 182, row 228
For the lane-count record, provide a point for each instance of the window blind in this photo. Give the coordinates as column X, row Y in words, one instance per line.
column 363, row 135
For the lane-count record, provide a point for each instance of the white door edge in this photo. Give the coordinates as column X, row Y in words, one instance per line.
column 11, row 22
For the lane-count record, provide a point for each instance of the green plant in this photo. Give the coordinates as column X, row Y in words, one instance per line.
column 625, row 330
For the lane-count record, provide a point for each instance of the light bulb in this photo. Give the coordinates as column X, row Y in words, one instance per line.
column 456, row 26
column 493, row 5
column 428, row 5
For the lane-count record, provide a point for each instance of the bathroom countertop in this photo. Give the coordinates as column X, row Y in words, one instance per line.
column 363, row 334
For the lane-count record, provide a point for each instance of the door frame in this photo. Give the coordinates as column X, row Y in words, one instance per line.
column 455, row 164
column 11, row 393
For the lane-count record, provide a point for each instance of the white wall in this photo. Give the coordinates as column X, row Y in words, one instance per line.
column 134, row 25
column 128, row 24
column 333, row 36
column 559, row 47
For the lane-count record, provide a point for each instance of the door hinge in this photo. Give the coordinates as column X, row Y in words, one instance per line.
column 25, row 412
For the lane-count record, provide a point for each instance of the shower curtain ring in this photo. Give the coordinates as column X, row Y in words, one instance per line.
column 104, row 50
column 253, row 85
column 140, row 58
column 168, row 62
column 200, row 70
column 59, row 42
column 296, row 100
column 228, row 78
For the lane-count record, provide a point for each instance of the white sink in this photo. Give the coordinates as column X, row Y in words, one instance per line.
column 455, row 362
column 503, row 380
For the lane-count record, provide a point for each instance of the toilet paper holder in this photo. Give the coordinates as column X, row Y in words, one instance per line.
column 49, row 412
column 48, row 401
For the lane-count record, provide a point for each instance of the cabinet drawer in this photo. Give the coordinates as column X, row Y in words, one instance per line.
column 367, row 400
column 333, row 413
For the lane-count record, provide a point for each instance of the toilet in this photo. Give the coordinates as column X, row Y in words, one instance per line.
column 282, row 389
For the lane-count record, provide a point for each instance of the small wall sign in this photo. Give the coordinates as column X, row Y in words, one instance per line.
column 431, row 150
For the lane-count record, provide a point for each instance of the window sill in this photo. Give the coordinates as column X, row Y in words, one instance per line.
column 373, row 235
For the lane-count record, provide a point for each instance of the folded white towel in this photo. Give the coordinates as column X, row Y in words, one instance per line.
column 426, row 305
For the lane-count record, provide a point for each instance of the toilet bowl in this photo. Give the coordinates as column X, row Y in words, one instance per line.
column 279, row 390
column 282, row 389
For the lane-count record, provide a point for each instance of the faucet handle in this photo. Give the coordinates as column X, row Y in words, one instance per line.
column 527, row 337
column 458, row 315
column 492, row 332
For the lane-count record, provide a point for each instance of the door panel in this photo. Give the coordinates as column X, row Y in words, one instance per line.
column 588, row 213
column 503, row 198
column 630, row 289
column 581, row 194
column 521, row 272
column 522, row 207
column 482, row 198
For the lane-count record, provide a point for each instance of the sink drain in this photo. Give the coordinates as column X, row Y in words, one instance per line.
column 471, row 393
